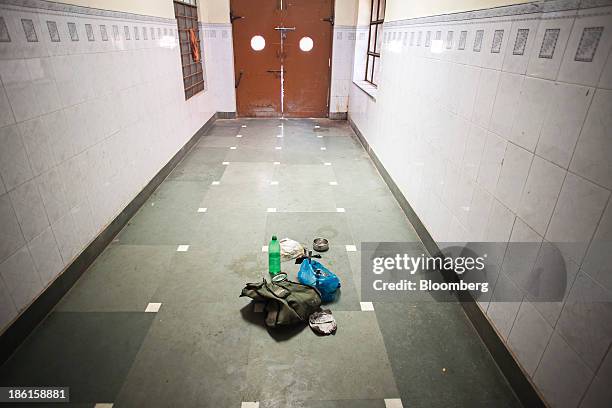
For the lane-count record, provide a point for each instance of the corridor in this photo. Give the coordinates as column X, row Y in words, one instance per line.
column 156, row 321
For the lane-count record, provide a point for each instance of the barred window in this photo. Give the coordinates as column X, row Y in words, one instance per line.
column 377, row 17
column 186, row 13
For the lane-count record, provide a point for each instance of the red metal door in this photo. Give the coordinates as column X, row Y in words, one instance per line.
column 257, row 72
column 307, row 71
column 282, row 79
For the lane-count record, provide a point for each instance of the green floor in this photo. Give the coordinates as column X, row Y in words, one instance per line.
column 206, row 347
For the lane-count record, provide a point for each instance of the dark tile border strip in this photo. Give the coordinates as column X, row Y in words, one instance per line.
column 539, row 6
column 518, row 380
column 338, row 115
column 17, row 332
column 69, row 8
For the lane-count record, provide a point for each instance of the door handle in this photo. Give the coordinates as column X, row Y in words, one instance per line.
column 329, row 19
column 234, row 17
column 239, row 79
column 277, row 72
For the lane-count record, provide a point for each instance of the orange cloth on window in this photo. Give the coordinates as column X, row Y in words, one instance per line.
column 195, row 49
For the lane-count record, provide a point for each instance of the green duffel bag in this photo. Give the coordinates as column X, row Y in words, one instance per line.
column 286, row 302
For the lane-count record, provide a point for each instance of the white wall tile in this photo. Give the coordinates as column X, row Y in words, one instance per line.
column 21, row 278
column 6, row 112
column 593, row 156
column 568, row 107
column 540, row 194
column 533, row 103
column 485, row 97
column 14, row 164
column 7, row 309
column 561, row 376
column 579, row 208
column 598, row 261
column 586, row 320
column 553, row 278
column 474, row 150
column 599, row 393
column 491, row 162
column 521, row 256
column 506, row 104
column 529, row 336
column 37, row 142
column 46, row 256
column 543, row 64
column 587, row 49
column 478, row 216
column 498, row 229
column 11, row 237
column 519, row 50
column 42, row 82
column 19, row 89
column 504, row 305
column 513, row 175
column 29, row 209
column 606, row 76
column 66, row 237
column 490, row 58
column 53, row 194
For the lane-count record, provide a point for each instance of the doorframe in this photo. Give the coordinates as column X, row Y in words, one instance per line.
column 331, row 54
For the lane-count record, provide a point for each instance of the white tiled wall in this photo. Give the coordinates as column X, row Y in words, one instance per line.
column 513, row 146
column 218, row 40
column 342, row 67
column 84, row 125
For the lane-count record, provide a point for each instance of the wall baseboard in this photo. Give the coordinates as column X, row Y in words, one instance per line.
column 27, row 321
column 519, row 381
column 338, row 115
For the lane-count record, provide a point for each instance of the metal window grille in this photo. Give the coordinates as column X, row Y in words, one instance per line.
column 377, row 17
column 186, row 13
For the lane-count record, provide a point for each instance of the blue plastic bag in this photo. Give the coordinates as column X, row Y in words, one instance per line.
column 326, row 281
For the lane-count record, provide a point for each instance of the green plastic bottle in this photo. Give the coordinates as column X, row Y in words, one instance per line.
column 274, row 256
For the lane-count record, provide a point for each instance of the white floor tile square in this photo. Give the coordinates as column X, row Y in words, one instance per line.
column 182, row 248
column 202, row 210
column 393, row 403
column 271, row 210
column 340, row 210
column 153, row 307
column 366, row 307
column 351, row 248
column 215, row 183
column 225, row 163
column 250, row 405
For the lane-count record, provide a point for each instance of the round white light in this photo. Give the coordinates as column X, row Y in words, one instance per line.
column 306, row 44
column 258, row 43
